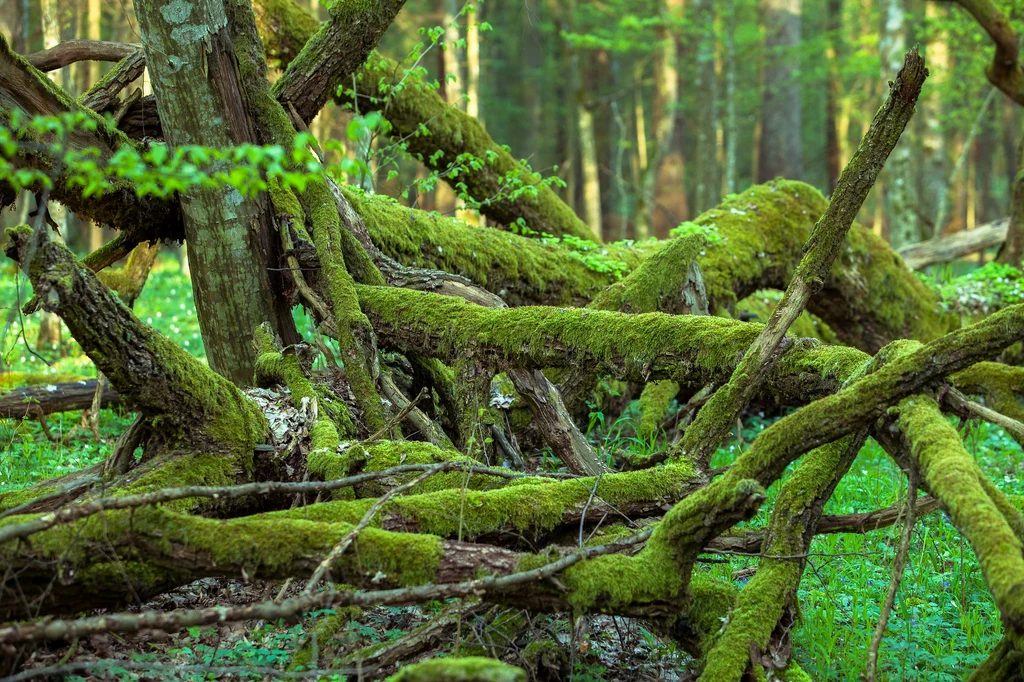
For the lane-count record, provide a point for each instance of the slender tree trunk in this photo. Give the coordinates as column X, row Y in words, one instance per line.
column 666, row 81
column 781, row 146
column 935, row 152
column 451, row 88
column 1012, row 250
column 833, row 154
column 732, row 128
column 195, row 73
column 49, row 324
column 94, row 31
column 473, row 63
column 670, row 198
column 706, row 85
column 585, row 134
column 900, row 190
column 588, row 166
column 984, row 157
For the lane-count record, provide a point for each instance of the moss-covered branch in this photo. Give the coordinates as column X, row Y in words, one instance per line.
column 955, row 479
column 755, row 242
column 24, row 88
column 693, row 350
column 153, row 375
column 529, row 507
column 285, row 25
column 771, row 596
column 333, row 54
column 716, row 417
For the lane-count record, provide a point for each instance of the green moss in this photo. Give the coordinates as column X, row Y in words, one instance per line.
column 711, row 601
column 13, row 498
column 614, row 580
column 384, row 455
column 529, row 505
column 655, row 400
column 144, row 578
column 329, row 625
column 658, row 283
column 183, row 470
column 518, row 269
column 19, row 379
column 354, row 331
column 760, row 305
column 471, row 669
column 266, row 547
column 954, row 478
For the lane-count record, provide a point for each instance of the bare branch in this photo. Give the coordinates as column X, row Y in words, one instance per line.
column 71, row 51
column 957, row 245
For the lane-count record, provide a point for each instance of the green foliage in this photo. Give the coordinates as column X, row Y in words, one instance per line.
column 157, row 170
column 991, row 287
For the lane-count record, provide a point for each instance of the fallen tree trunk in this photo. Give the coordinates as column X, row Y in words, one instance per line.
column 950, row 247
column 34, row 401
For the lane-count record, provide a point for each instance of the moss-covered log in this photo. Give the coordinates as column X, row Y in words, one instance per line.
column 153, row 375
column 756, row 240
column 986, row 518
column 692, row 350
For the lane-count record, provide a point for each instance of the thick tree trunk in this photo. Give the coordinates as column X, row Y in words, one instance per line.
column 195, row 74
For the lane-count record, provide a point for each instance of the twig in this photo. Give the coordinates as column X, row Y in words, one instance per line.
column 400, row 416
column 963, row 407
column 169, row 621
column 897, row 575
column 586, row 507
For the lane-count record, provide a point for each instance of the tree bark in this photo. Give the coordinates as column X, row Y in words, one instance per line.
column 200, row 97
column 666, row 81
column 781, row 148
column 707, row 190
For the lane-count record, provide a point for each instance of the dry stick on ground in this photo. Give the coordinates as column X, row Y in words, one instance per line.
column 897, row 575
column 718, row 414
column 272, row 610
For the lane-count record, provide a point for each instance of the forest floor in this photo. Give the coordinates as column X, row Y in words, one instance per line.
column 944, row 617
